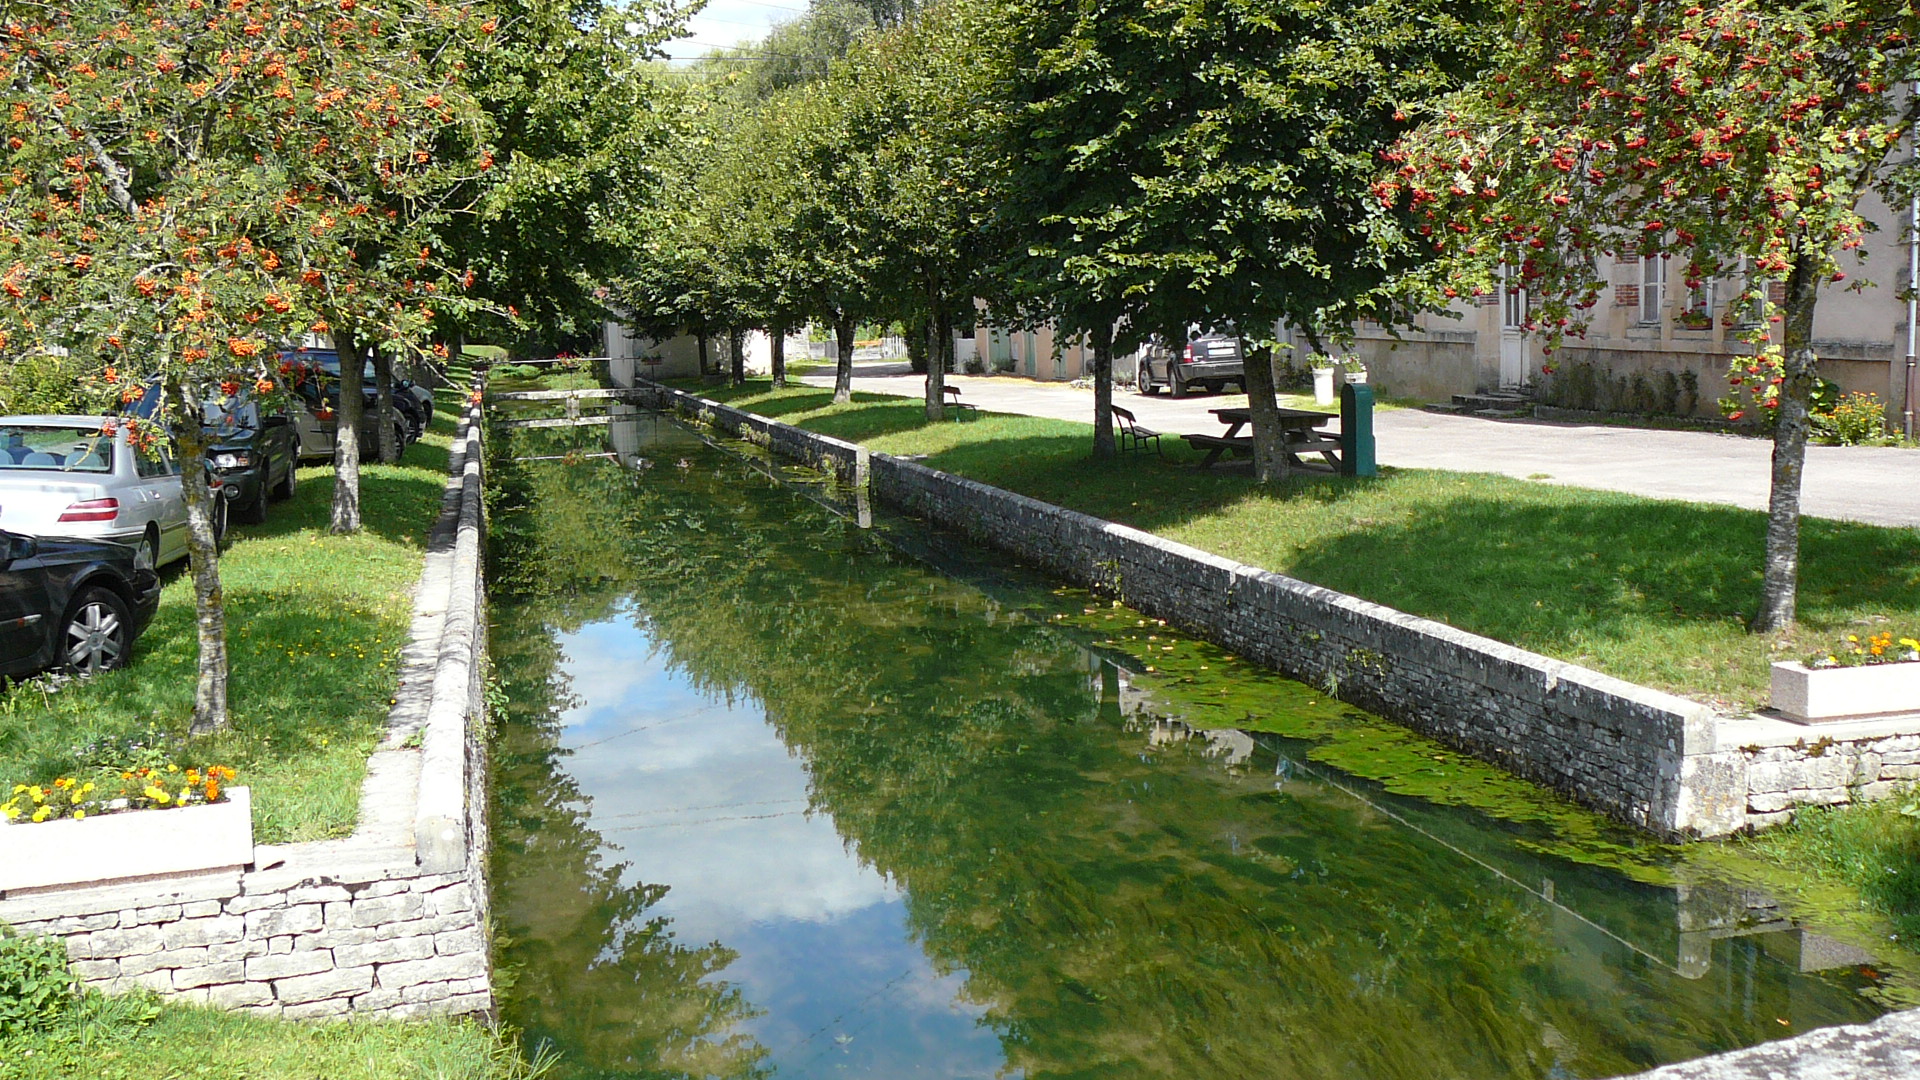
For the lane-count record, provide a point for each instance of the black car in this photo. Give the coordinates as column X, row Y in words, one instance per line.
column 73, row 604
column 1208, row 360
column 254, row 455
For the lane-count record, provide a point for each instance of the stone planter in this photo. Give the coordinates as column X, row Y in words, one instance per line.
column 1356, row 376
column 140, row 843
column 1813, row 695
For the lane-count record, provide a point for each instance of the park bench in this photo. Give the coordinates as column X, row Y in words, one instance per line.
column 960, row 408
column 1132, row 435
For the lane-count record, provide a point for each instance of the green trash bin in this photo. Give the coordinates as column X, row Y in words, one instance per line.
column 1356, row 431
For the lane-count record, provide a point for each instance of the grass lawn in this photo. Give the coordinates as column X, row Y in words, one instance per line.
column 315, row 624
column 184, row 1041
column 1652, row 591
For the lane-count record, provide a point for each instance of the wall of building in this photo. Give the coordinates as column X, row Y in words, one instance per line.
column 391, row 921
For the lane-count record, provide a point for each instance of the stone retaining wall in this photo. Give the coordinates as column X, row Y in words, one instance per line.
column 1651, row 759
column 391, row 921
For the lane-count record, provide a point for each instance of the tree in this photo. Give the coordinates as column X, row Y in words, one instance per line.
column 578, row 124
column 923, row 96
column 187, row 191
column 1729, row 133
column 1210, row 162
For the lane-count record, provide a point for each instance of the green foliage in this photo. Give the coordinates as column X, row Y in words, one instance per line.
column 42, row 384
column 36, row 989
column 1857, row 418
column 1874, row 847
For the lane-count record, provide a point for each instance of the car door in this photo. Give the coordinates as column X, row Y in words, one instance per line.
column 24, row 622
column 169, row 505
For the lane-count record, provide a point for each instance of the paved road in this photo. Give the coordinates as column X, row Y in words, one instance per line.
column 1880, row 485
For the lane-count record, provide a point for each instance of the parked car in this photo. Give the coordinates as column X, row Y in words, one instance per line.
column 73, row 604
column 80, row 476
column 254, row 453
column 1208, row 360
column 413, row 402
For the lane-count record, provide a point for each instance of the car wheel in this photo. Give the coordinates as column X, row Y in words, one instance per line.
column 220, row 521
column 151, row 542
column 285, row 488
column 93, row 635
column 1176, row 385
column 1145, row 382
column 254, row 510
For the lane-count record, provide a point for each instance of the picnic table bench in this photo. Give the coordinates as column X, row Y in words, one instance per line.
column 1298, row 432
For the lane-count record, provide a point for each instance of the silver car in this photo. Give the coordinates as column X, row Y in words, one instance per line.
column 68, row 476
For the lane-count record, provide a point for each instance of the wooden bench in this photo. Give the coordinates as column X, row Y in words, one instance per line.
column 960, row 408
column 1132, row 435
column 1217, row 445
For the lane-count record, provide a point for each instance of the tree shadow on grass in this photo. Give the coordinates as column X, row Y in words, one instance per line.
column 397, row 502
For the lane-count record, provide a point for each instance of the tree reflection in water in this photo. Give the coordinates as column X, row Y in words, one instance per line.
column 1109, row 904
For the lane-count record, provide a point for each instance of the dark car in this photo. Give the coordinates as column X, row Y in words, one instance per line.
column 254, row 454
column 1208, row 360
column 73, row 604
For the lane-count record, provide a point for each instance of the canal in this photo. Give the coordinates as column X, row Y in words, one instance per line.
column 780, row 797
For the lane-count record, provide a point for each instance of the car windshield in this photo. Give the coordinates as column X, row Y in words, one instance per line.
column 237, row 413
column 64, row 449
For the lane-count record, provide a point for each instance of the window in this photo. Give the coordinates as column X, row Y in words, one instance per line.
column 61, row 449
column 1748, row 307
column 1698, row 314
column 1513, row 301
column 1653, row 287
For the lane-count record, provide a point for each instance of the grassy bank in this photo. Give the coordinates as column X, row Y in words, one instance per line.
column 140, row 1039
column 315, row 624
column 1653, row 591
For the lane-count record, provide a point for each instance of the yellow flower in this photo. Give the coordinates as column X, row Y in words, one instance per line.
column 39, row 794
column 42, row 814
column 79, row 815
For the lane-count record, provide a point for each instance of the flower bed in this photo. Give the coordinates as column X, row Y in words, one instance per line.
column 116, row 846
column 1812, row 695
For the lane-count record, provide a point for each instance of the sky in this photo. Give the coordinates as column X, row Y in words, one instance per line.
column 723, row 23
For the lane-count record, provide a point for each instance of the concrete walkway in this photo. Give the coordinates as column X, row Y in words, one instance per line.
column 1878, row 485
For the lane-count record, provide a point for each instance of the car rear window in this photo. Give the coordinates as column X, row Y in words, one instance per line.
column 66, row 449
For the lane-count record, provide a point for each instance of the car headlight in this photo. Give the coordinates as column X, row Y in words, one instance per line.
column 232, row 461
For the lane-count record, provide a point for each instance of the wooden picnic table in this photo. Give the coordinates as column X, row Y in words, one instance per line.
column 1298, row 431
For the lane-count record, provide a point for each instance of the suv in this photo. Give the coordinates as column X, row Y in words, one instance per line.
column 316, row 389
column 255, row 454
column 1209, row 360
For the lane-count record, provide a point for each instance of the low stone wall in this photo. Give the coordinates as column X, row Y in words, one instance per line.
column 391, row 921
column 1651, row 759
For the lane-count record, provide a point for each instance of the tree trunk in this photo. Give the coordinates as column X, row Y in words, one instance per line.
column 203, row 562
column 777, row 355
column 346, row 438
column 737, row 350
column 701, row 337
column 1781, row 577
column 936, row 362
column 383, row 406
column 1103, row 448
column 1269, row 449
column 843, row 369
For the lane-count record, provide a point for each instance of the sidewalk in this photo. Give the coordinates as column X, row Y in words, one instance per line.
column 1872, row 484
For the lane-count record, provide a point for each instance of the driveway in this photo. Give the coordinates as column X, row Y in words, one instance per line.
column 1877, row 485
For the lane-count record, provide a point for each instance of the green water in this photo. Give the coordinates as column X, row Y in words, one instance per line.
column 774, row 798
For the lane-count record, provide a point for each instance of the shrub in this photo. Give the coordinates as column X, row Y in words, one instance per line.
column 1859, row 417
column 36, row 989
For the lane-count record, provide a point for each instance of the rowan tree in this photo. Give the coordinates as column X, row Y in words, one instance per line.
column 187, row 190
column 1739, row 137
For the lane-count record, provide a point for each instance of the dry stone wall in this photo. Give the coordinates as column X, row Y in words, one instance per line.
column 1654, row 760
column 392, row 921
